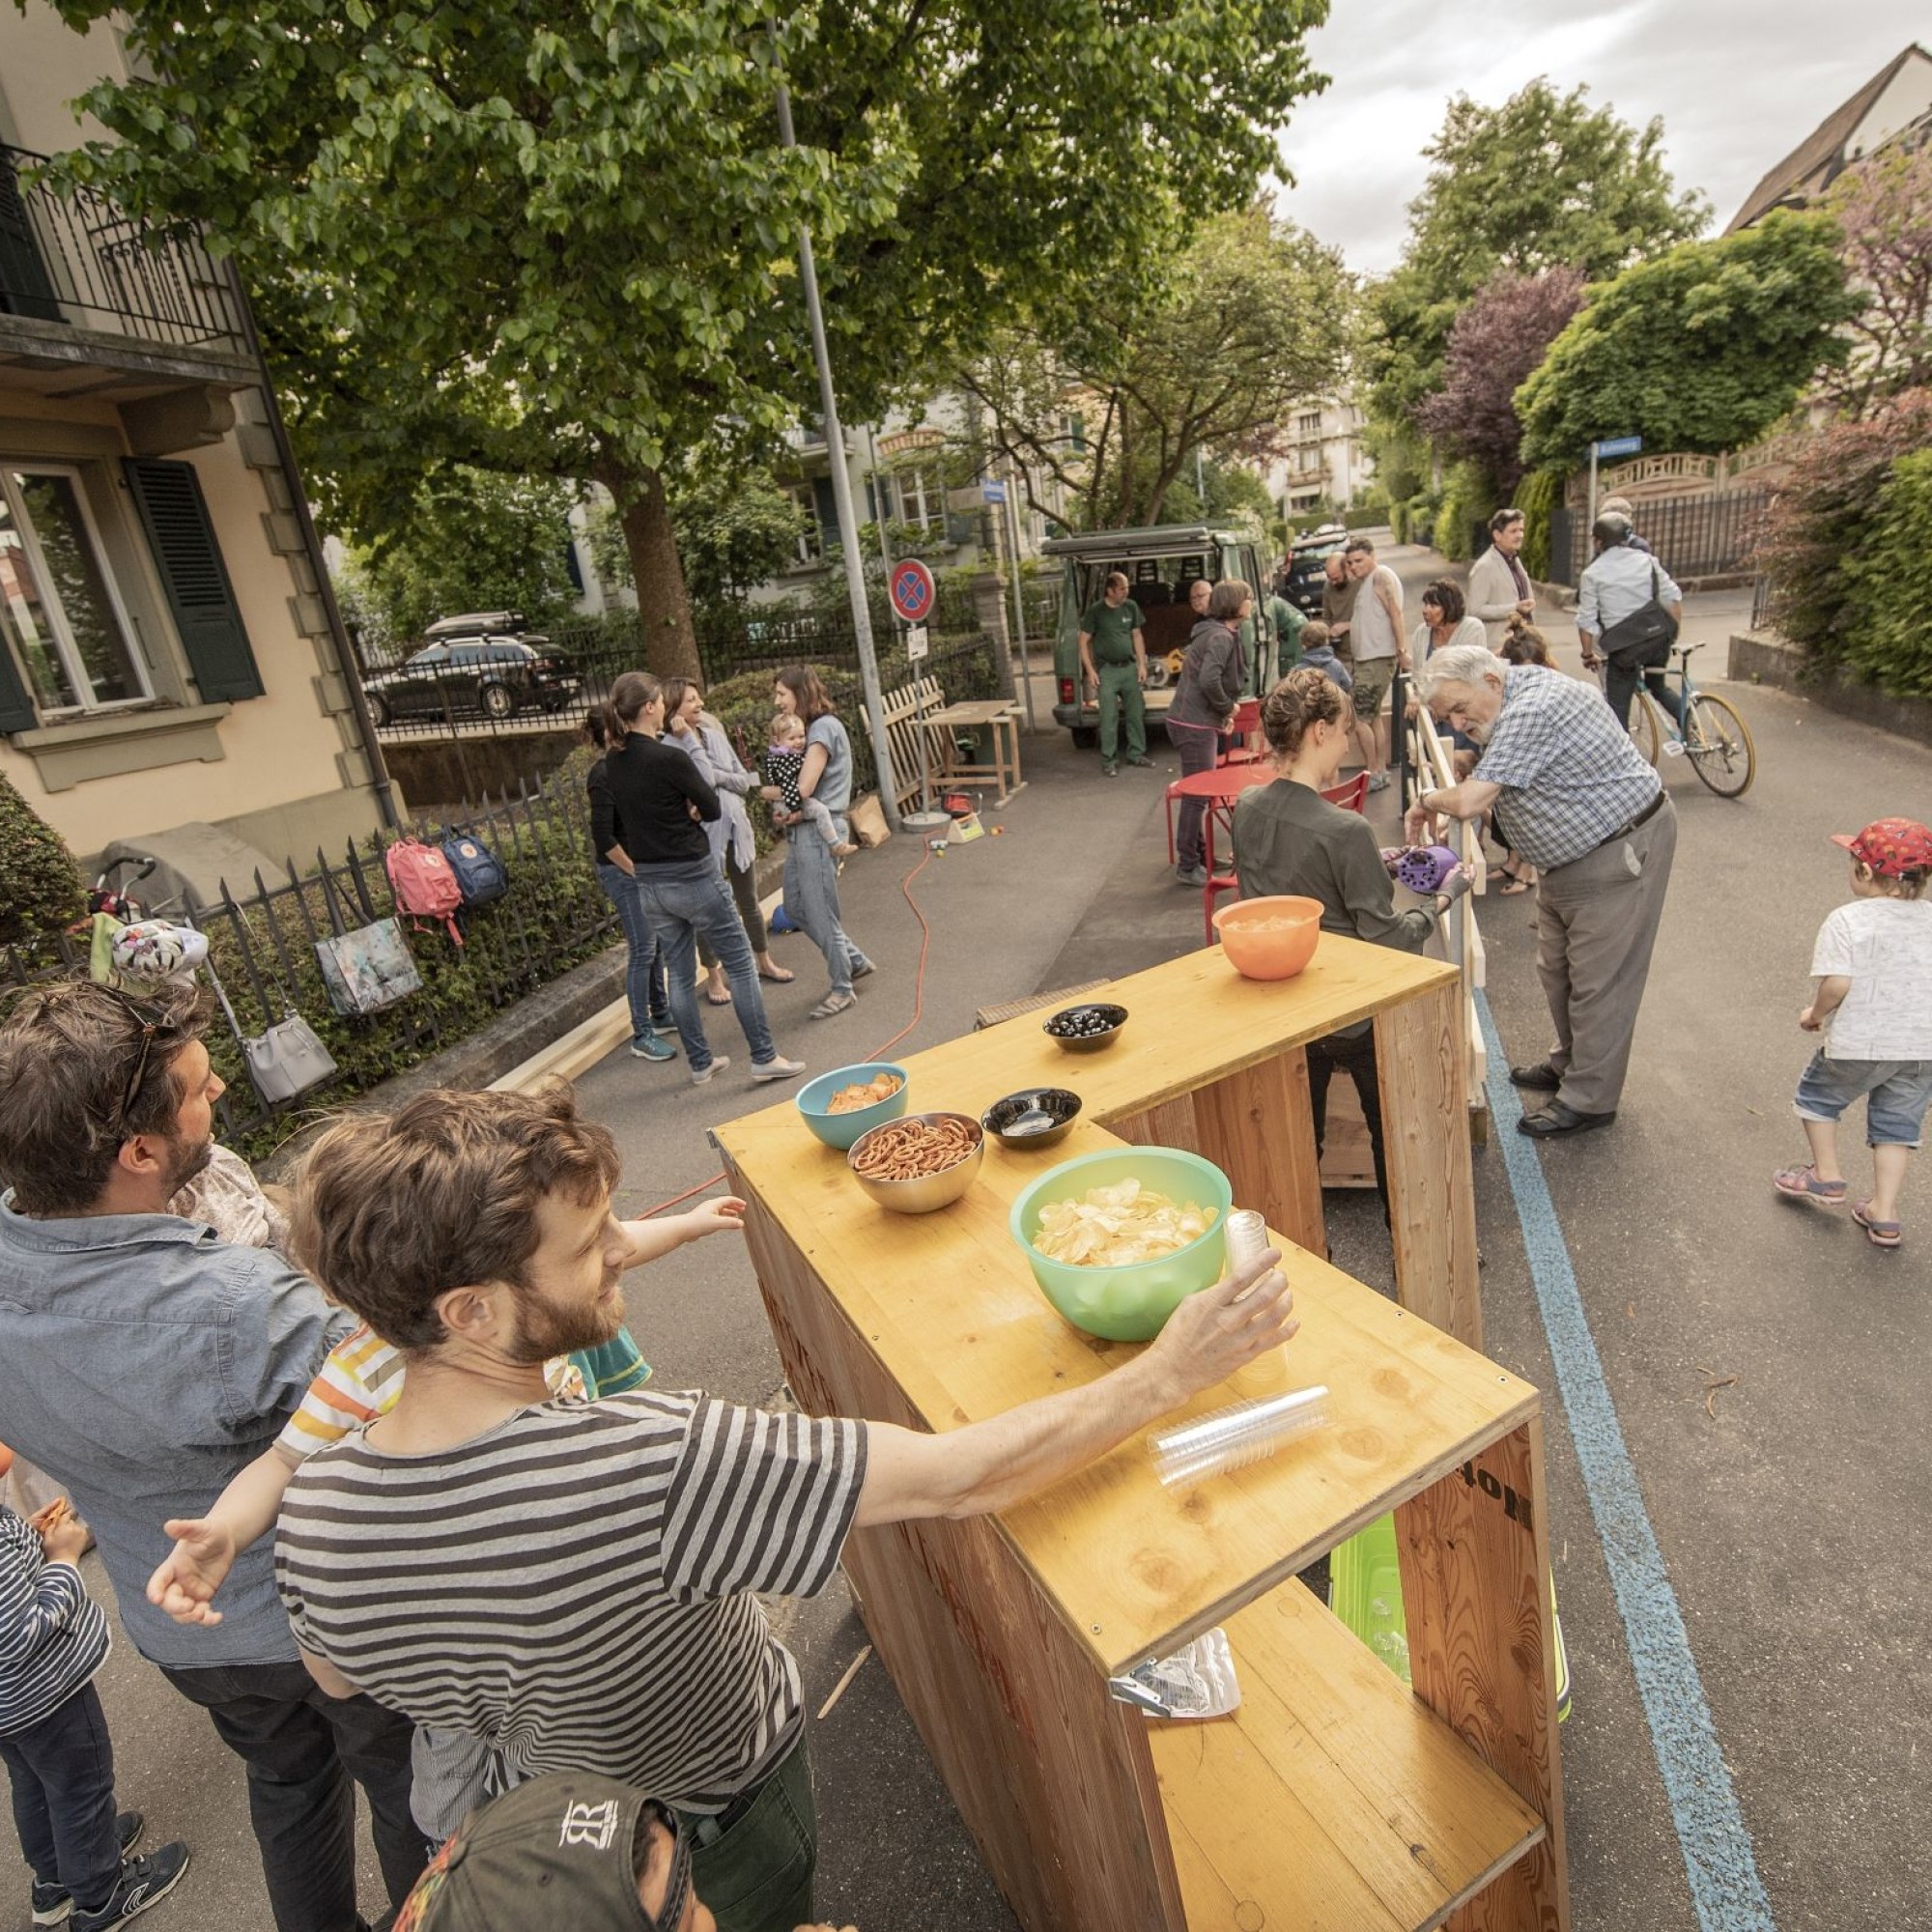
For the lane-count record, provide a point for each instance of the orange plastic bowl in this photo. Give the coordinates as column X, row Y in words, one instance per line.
column 1271, row 938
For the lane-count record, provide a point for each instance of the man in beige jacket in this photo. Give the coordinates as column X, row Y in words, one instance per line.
column 1498, row 585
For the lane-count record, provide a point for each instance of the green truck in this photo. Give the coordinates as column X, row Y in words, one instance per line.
column 1159, row 564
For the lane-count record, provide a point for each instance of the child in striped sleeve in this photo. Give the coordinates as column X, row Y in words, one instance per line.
column 53, row 1734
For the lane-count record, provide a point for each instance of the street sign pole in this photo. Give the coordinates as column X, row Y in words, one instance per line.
column 1610, row 446
column 1593, row 487
column 1020, row 602
column 841, row 499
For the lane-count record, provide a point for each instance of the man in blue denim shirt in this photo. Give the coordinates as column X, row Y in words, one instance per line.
column 143, row 1363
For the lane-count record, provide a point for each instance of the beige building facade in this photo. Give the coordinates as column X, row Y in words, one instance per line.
column 167, row 656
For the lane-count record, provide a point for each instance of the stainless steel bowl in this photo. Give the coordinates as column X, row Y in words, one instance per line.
column 929, row 1190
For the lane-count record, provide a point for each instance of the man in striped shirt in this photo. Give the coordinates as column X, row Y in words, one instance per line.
column 575, row 1584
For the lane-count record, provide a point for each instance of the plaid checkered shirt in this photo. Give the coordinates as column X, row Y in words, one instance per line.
column 1571, row 777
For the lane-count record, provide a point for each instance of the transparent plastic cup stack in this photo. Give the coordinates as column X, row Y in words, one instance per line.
column 1244, row 1431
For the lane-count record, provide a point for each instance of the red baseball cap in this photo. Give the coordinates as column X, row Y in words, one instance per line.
column 1890, row 846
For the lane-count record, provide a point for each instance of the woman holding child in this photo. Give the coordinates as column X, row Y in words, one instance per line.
column 812, row 866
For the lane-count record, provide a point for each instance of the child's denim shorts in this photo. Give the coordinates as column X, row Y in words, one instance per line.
column 1896, row 1094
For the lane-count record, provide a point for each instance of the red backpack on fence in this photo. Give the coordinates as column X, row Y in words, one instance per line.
column 424, row 884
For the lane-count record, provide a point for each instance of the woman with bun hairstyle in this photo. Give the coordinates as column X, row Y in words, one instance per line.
column 1290, row 840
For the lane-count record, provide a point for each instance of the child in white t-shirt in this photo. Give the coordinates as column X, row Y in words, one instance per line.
column 1872, row 966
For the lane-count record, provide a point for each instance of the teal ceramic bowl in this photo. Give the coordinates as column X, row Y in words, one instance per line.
column 840, row 1131
column 1127, row 1304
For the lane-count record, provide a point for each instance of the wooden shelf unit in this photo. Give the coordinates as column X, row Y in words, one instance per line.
column 1335, row 1797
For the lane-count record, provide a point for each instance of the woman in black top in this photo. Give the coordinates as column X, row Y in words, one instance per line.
column 1290, row 840
column 661, row 804
column 645, row 984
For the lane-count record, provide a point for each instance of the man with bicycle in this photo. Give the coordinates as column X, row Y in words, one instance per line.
column 1623, row 580
column 1574, row 798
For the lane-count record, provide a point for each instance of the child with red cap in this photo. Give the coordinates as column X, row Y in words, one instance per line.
column 1873, row 971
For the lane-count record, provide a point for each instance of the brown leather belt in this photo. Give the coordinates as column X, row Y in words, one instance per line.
column 1643, row 817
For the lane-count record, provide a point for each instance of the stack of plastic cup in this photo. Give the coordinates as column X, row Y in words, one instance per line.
column 1232, row 1437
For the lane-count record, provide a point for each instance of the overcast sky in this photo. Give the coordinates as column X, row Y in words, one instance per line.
column 1739, row 84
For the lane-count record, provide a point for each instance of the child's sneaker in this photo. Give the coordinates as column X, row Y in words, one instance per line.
column 144, row 1881
column 51, row 1903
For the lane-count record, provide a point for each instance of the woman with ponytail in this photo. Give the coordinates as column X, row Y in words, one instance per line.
column 663, row 803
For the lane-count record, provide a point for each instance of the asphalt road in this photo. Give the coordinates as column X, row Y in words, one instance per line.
column 1787, row 1503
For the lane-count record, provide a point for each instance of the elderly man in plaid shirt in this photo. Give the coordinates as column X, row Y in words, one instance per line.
column 1574, row 798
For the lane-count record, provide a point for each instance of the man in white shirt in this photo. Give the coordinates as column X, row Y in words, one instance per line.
column 1617, row 586
column 1378, row 648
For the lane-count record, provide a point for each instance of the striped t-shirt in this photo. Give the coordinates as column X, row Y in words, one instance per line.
column 572, row 1586
column 54, row 1635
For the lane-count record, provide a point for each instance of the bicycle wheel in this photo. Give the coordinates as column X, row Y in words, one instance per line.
column 1643, row 727
column 1719, row 744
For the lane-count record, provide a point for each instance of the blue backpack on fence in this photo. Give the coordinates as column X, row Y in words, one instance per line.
column 479, row 873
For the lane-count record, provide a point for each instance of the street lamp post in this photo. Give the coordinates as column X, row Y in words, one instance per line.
column 841, row 499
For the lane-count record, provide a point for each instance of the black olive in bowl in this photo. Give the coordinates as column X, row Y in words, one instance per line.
column 1085, row 1029
column 1041, row 1116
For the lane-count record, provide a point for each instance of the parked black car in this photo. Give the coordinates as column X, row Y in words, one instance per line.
column 1307, row 572
column 495, row 677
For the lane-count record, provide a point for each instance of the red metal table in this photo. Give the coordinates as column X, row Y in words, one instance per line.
column 1220, row 789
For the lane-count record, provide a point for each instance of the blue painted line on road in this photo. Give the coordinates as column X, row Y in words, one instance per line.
column 1717, row 1856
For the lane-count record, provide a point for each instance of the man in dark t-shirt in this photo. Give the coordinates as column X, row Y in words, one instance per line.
column 1113, row 658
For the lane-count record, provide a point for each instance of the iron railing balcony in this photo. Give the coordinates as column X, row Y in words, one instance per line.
column 82, row 261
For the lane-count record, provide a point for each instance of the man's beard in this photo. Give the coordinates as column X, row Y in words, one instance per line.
column 1478, row 734
column 185, row 1160
column 545, row 1330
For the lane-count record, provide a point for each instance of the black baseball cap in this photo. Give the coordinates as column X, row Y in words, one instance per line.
column 560, row 1851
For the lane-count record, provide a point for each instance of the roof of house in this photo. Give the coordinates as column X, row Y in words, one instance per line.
column 1816, row 162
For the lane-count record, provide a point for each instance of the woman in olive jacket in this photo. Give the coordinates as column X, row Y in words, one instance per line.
column 1211, row 676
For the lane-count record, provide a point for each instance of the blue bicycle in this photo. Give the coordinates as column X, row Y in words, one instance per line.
column 1716, row 740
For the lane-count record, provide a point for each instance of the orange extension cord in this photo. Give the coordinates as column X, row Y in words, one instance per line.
column 918, row 1008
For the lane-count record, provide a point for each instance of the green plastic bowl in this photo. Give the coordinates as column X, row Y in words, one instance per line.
column 1127, row 1304
column 841, row 1131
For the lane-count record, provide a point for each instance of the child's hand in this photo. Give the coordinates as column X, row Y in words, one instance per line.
column 185, row 1582
column 724, row 1216
column 1808, row 1019
column 63, row 1537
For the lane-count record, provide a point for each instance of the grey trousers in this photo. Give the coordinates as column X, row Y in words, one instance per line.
column 1596, row 924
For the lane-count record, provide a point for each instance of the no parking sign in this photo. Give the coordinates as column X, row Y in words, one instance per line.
column 912, row 590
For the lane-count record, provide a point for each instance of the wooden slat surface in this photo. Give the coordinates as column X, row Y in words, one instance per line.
column 951, row 1308
column 1332, row 1799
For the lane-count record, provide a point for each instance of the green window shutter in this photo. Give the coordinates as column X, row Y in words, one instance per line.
column 24, row 286
column 195, row 579
column 17, row 707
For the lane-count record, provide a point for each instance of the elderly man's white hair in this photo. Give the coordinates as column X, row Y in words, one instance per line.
column 1458, row 664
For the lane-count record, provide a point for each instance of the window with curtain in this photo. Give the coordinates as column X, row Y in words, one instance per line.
column 58, row 616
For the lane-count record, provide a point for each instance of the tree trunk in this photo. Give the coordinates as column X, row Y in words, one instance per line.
column 664, row 607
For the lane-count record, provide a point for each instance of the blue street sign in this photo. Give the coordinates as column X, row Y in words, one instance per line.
column 1616, row 446
column 993, row 492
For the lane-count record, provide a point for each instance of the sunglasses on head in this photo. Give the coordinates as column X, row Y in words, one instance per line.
column 147, row 1021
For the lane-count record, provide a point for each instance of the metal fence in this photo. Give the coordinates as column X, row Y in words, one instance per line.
column 262, row 939
column 1692, row 536
column 80, row 257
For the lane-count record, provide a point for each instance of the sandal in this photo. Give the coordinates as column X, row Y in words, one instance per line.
column 712, row 1000
column 1512, row 887
column 1879, row 1233
column 779, row 975
column 1801, row 1183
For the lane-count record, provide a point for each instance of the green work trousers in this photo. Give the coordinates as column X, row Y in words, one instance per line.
column 757, row 1877
column 1120, row 691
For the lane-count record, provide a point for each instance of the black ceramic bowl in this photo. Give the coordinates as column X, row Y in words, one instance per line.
column 1086, row 1028
column 1060, row 1110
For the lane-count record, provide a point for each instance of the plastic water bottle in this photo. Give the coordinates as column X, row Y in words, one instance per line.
column 1232, row 1437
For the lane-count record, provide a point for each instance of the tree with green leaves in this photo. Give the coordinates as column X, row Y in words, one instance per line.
column 735, row 526
column 1255, row 317
column 563, row 241
column 465, row 540
column 1703, row 349
column 1544, row 181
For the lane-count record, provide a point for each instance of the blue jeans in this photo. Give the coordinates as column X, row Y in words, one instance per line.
column 678, row 911
column 1896, row 1093
column 811, row 900
column 645, row 978
column 63, row 1774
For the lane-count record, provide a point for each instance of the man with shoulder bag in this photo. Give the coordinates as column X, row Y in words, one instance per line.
column 1628, row 614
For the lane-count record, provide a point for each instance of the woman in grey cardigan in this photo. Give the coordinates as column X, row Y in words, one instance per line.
column 1211, row 676
column 691, row 728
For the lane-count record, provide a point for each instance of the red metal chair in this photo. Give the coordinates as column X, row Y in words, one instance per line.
column 1246, row 723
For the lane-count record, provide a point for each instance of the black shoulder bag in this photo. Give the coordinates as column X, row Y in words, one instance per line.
column 1642, row 641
